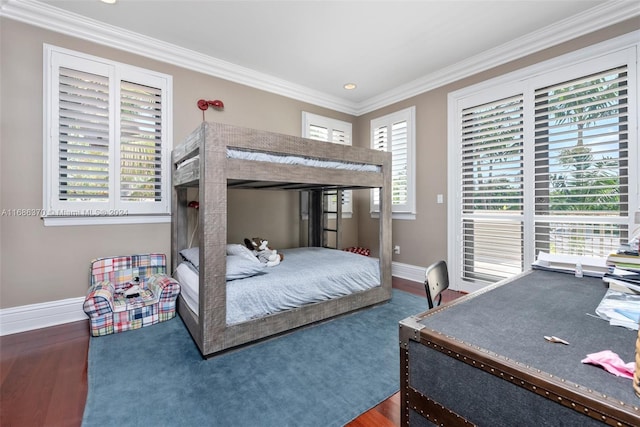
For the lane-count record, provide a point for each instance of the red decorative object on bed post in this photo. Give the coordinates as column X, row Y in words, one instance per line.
column 203, row 104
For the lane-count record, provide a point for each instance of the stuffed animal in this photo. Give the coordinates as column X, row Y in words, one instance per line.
column 265, row 254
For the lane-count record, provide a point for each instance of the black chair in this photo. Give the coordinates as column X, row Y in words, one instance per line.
column 436, row 281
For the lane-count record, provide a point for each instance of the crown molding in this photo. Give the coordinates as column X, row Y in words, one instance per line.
column 591, row 20
column 54, row 19
column 51, row 18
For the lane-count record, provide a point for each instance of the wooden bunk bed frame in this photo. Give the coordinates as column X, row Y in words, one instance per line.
column 214, row 173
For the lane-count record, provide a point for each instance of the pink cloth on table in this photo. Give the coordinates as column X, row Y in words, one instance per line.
column 612, row 363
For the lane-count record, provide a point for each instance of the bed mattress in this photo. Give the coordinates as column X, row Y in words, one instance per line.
column 307, row 275
column 260, row 156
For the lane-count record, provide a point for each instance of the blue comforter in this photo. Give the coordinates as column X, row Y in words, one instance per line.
column 306, row 275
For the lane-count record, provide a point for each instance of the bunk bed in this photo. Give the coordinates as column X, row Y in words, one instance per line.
column 216, row 157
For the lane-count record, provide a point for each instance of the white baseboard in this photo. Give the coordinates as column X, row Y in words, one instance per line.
column 416, row 274
column 36, row 316
column 408, row 272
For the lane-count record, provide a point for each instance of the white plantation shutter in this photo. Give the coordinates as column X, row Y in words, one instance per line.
column 380, row 141
column 341, row 135
column 399, row 149
column 107, row 145
column 581, row 172
column 319, row 133
column 140, row 142
column 83, row 134
column 395, row 133
column 492, row 190
column 543, row 162
column 331, row 130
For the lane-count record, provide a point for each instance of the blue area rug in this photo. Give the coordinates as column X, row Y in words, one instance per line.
column 323, row 375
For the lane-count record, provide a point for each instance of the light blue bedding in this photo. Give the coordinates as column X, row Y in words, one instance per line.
column 299, row 160
column 305, row 276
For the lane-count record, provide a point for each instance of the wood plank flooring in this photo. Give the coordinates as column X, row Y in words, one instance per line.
column 43, row 376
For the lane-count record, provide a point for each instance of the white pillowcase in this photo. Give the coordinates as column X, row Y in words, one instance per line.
column 239, row 267
column 243, row 251
column 192, row 256
column 241, row 262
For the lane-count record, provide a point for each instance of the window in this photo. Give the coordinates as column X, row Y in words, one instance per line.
column 331, row 130
column 396, row 133
column 581, row 171
column 107, row 141
column 543, row 163
column 492, row 189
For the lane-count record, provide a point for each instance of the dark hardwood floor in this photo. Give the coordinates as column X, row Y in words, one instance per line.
column 44, row 376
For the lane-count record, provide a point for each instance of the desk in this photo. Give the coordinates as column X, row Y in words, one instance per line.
column 482, row 359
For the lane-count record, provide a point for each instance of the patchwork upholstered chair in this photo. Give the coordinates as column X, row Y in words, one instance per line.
column 106, row 304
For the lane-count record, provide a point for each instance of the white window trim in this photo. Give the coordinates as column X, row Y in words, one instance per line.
column 626, row 46
column 400, row 212
column 87, row 214
column 309, row 119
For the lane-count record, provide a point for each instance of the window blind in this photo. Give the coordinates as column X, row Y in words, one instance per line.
column 394, row 138
column 399, row 195
column 83, row 132
column 492, row 190
column 319, row 133
column 581, row 168
column 107, row 141
column 380, row 142
column 322, row 133
column 140, row 142
column 557, row 164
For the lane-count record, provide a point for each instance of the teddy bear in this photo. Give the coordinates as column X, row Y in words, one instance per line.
column 265, row 254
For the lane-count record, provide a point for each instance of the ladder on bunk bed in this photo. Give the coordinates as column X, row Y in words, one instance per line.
column 324, row 230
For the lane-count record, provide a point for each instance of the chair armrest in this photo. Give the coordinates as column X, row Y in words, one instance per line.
column 99, row 300
column 164, row 286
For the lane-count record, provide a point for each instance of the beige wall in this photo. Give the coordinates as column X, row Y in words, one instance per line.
column 41, row 264
column 424, row 240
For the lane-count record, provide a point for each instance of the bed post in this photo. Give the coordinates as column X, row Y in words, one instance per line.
column 213, row 238
column 385, row 225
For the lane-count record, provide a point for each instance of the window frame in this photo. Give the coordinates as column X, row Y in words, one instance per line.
column 405, row 211
column 56, row 212
column 309, row 120
column 606, row 55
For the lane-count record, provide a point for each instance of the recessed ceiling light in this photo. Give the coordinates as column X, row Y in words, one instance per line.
column 349, row 86
column 109, row 1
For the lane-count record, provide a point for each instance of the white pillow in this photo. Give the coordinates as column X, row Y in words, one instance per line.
column 242, row 251
column 191, row 255
column 239, row 267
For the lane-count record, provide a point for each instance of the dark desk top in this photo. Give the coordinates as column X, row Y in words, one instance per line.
column 511, row 320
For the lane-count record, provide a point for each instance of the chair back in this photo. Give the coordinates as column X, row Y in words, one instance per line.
column 121, row 270
column 436, row 281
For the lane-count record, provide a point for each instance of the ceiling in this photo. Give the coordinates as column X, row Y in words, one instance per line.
column 381, row 46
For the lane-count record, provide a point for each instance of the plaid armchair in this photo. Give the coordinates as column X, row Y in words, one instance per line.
column 109, row 311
